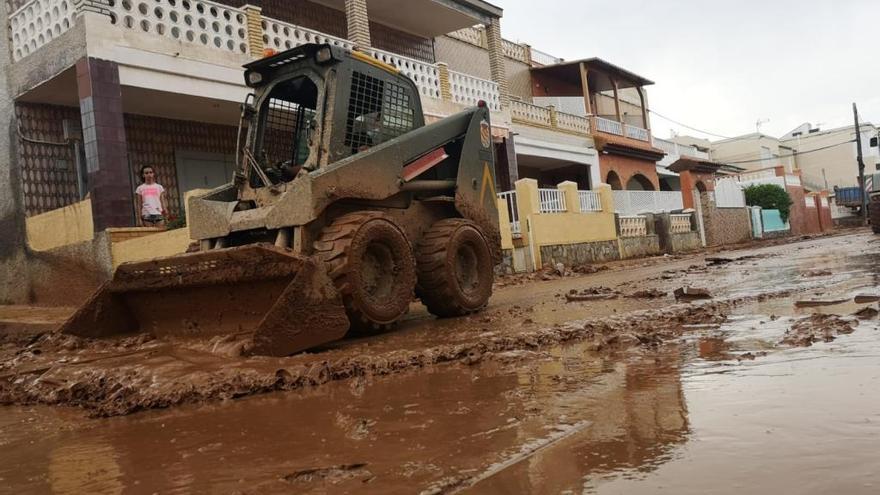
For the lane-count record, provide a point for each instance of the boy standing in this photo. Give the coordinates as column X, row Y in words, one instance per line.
column 151, row 203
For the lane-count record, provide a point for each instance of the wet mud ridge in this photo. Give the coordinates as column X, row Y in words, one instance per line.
column 110, row 378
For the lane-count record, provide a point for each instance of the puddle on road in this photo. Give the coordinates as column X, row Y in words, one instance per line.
column 693, row 416
column 686, row 418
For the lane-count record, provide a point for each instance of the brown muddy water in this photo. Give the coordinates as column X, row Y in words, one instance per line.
column 724, row 407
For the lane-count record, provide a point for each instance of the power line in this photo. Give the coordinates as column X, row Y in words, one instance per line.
column 687, row 126
column 796, row 153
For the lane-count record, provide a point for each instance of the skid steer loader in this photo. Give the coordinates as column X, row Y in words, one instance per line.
column 343, row 206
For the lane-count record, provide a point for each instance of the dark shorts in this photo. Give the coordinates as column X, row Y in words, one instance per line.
column 153, row 219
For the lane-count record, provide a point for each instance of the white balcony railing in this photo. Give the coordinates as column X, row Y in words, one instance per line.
column 756, row 176
column 530, row 114
column 425, row 75
column 668, row 146
column 792, row 180
column 509, row 198
column 527, row 113
column 552, row 200
column 609, row 126
column 200, row 22
column 673, row 148
column 280, row 35
column 633, row 226
column 469, row 35
column 38, row 22
column 468, row 90
column 680, row 223
column 542, row 58
column 514, row 50
column 634, row 132
column 633, row 202
column 210, row 24
column 590, row 201
column 570, row 122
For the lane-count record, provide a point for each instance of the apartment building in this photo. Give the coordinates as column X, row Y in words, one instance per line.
column 828, row 157
column 605, row 107
column 753, row 151
column 99, row 88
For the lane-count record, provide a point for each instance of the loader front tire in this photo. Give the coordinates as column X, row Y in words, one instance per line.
column 371, row 264
column 455, row 268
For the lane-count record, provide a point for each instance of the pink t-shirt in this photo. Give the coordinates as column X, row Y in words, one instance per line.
column 151, row 198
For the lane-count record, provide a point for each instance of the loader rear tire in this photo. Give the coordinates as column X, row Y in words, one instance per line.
column 455, row 268
column 371, row 264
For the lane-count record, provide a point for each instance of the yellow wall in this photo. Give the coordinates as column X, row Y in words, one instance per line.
column 69, row 225
column 159, row 245
column 504, row 225
column 154, row 246
column 570, row 227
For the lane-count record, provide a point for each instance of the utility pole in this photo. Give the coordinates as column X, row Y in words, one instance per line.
column 861, row 166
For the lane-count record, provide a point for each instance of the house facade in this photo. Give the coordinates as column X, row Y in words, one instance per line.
column 101, row 88
column 827, row 157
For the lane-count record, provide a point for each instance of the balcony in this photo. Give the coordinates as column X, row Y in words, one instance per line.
column 674, row 149
column 548, row 117
column 202, row 41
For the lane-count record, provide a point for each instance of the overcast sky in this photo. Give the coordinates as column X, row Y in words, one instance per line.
column 722, row 65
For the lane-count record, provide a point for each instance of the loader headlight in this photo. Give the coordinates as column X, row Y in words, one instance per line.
column 254, row 78
column 323, row 55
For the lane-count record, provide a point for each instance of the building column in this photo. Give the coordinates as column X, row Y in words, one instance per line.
column 496, row 60
column 641, row 92
column 358, row 23
column 109, row 175
column 254, row 30
column 506, row 171
column 15, row 279
column 617, row 102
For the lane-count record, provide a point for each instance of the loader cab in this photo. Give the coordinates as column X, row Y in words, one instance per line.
column 287, row 120
column 317, row 104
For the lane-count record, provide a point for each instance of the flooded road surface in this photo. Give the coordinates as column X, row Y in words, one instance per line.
column 754, row 397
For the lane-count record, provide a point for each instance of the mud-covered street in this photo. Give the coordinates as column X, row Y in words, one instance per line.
column 569, row 382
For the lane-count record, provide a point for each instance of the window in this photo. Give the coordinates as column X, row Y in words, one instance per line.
column 287, row 120
column 377, row 111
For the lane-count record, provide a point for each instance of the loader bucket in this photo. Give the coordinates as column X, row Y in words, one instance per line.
column 270, row 300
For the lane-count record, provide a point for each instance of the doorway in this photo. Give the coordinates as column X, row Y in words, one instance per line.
column 201, row 170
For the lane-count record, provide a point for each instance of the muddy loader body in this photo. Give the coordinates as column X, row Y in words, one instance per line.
column 343, row 206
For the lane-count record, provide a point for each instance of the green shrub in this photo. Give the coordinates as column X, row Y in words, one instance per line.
column 178, row 222
column 769, row 197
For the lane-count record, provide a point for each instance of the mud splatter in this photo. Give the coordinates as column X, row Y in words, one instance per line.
column 817, row 327
column 164, row 376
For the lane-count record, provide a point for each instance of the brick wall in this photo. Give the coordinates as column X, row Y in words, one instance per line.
column 626, row 167
column 462, row 57
column 48, row 164
column 725, row 225
column 519, row 79
column 812, row 224
column 796, row 216
column 153, row 141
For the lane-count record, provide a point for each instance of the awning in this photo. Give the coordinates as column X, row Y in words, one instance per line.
column 571, row 73
column 555, row 151
column 665, row 172
column 694, row 165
